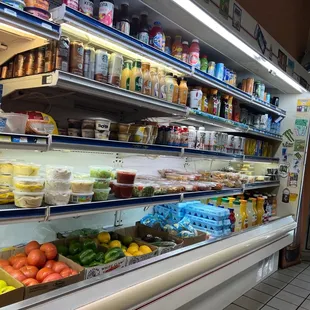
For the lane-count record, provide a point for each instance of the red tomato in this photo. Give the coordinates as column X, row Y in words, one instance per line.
column 20, row 262
column 8, row 269
column 43, row 273
column 49, row 250
column 50, row 264
column 29, row 271
column 32, row 245
column 59, row 267
column 18, row 275
column 4, row 262
column 36, row 258
column 73, row 272
column 66, row 272
column 30, row 282
column 52, row 277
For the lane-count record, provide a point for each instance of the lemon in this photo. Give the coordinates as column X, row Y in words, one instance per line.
column 127, row 254
column 145, row 249
column 2, row 284
column 132, row 249
column 137, row 253
column 133, row 244
column 115, row 244
column 104, row 237
column 7, row 289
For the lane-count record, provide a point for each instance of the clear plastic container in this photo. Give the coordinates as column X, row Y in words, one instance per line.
column 57, row 185
column 122, row 190
column 59, row 172
column 102, row 183
column 25, row 169
column 6, row 195
column 123, row 128
column 16, row 123
column 143, row 190
column 57, row 198
column 101, row 194
column 6, row 166
column 123, row 137
column 28, row 184
column 28, row 200
column 126, row 176
column 82, row 185
column 101, row 172
column 6, row 179
column 81, row 197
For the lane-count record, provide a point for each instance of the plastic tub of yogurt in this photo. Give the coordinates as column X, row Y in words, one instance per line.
column 81, row 197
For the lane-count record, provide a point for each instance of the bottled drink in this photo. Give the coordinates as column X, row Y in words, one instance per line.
column 204, row 63
column 169, row 87
column 162, row 85
column 106, row 12
column 147, row 81
column 124, row 18
column 155, row 82
column 185, row 52
column 244, row 214
column 175, row 96
column 163, row 45
column 238, row 216
column 183, row 92
column 136, row 78
column 143, row 34
column 192, row 135
column 135, row 24
column 156, row 36
column 126, row 74
column 194, row 54
column 168, row 45
column 177, row 47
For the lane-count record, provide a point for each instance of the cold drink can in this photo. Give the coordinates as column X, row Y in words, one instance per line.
column 87, row 7
column 101, row 66
column 237, row 144
column 89, row 62
column 76, row 57
column 268, row 97
column 224, row 142
column 214, row 137
column 262, row 91
column 211, row 68
column 243, row 116
column 219, row 71
column 19, row 65
column 257, row 89
column 29, row 63
column 230, row 144
column 242, row 145
column 39, row 60
column 258, row 148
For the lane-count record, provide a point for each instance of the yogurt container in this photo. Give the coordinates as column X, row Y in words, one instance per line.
column 102, row 124
column 81, row 197
column 102, row 135
column 82, row 185
column 57, row 198
column 28, row 200
column 74, row 132
column 88, row 133
column 123, row 137
column 58, row 172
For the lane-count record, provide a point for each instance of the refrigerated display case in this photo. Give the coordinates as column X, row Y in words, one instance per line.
column 171, row 176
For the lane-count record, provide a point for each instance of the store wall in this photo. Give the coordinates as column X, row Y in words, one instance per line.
column 286, row 20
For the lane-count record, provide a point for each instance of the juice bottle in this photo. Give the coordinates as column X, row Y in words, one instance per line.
column 225, row 203
column 162, row 85
column 274, row 205
column 143, row 33
column 168, row 47
column 230, row 108
column 204, row 63
column 177, row 47
column 124, row 18
column 236, row 111
column 212, row 100
column 185, row 52
column 244, row 214
column 134, row 29
column 156, row 36
column 183, row 92
column 194, row 54
column 155, row 82
column 163, row 45
column 147, row 80
column 213, row 201
column 232, row 219
column 204, row 100
column 252, row 213
column 238, row 216
column 175, row 97
column 224, row 106
column 136, row 78
column 265, row 216
column 169, row 87
column 126, row 74
column 260, row 210
column 231, row 200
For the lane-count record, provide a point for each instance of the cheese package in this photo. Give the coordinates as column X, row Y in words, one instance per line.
column 40, row 123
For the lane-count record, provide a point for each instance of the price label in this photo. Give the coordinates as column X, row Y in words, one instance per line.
column 10, row 12
column 41, row 141
column 47, row 26
column 23, row 140
column 5, row 138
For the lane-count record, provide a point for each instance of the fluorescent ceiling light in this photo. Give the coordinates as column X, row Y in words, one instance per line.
column 211, row 23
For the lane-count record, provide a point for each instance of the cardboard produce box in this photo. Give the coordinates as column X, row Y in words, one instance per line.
column 131, row 231
column 91, row 272
column 143, row 230
column 42, row 288
column 12, row 296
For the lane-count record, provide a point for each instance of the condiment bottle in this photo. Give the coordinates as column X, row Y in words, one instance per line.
column 175, row 96
column 136, row 78
column 155, row 82
column 162, row 85
column 204, row 63
column 183, row 92
column 244, row 214
column 147, row 81
column 124, row 18
column 156, row 36
column 185, row 52
column 126, row 74
column 194, row 54
column 168, row 47
column 238, row 216
column 177, row 47
column 212, row 101
column 231, row 200
column 143, row 34
column 169, row 87
column 135, row 24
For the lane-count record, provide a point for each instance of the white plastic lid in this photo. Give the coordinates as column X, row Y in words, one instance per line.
column 191, row 128
column 201, row 128
column 195, row 40
column 185, row 42
column 82, row 194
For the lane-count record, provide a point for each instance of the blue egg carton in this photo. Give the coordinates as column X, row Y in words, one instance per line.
column 161, row 211
column 208, row 212
column 207, row 224
column 174, row 217
column 180, row 207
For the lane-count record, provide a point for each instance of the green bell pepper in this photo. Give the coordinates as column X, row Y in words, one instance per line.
column 99, row 257
column 62, row 249
column 94, row 264
column 89, row 244
column 87, row 257
column 75, row 247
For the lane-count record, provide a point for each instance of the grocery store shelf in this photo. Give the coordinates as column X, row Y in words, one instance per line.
column 21, row 31
column 212, row 155
column 23, row 142
column 258, row 185
column 82, row 26
column 264, row 134
column 260, row 159
column 212, row 194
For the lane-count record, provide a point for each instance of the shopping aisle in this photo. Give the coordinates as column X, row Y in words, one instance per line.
column 286, row 289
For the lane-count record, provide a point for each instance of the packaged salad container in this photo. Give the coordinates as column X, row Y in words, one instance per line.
column 143, row 190
column 103, row 172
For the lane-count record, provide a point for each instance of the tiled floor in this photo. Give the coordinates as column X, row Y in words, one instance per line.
column 287, row 289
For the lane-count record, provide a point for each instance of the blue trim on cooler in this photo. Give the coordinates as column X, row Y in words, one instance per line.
column 269, row 105
column 211, row 153
column 11, row 212
column 214, row 193
column 262, row 184
column 261, row 159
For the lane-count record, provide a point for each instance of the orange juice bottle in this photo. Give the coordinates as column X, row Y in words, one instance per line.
column 183, row 92
column 260, row 210
column 238, row 216
column 252, row 213
column 244, row 214
column 231, row 200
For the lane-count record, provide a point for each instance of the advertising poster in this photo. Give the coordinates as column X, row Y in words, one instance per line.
column 303, row 105
column 282, row 60
column 224, row 8
column 301, row 126
column 237, row 16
